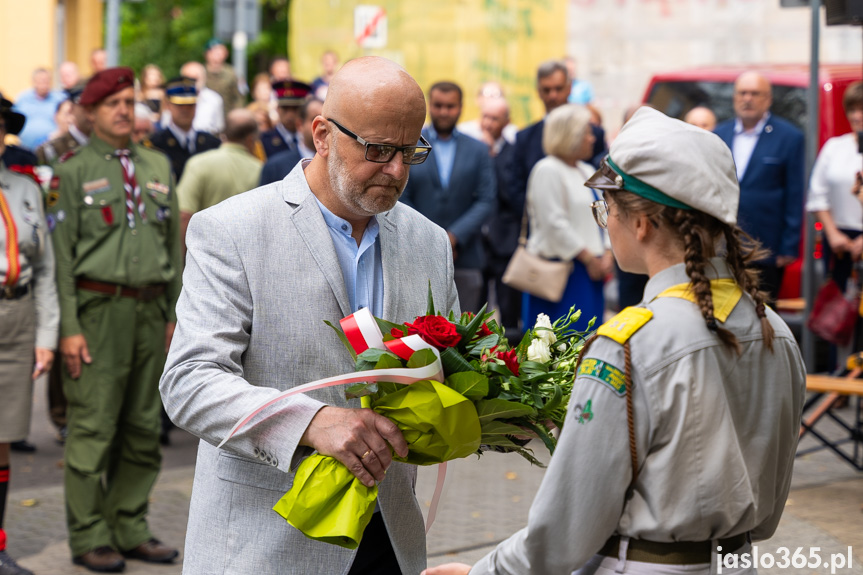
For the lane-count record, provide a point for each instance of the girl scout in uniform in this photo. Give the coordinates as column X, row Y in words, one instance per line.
column 682, row 427
column 29, row 314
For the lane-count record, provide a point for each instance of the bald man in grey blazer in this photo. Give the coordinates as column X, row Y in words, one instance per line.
column 264, row 270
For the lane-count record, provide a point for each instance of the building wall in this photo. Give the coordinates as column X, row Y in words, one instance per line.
column 84, row 31
column 465, row 41
column 619, row 44
column 27, row 42
column 30, row 39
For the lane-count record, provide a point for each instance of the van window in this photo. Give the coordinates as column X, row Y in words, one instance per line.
column 675, row 99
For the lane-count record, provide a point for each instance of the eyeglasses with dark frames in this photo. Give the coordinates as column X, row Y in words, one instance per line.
column 383, row 153
column 600, row 213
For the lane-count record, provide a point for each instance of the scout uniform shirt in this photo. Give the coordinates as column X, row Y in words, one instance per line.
column 26, row 254
column 51, row 151
column 716, row 435
column 92, row 237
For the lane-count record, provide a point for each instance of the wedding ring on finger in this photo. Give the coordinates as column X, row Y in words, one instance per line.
column 364, row 455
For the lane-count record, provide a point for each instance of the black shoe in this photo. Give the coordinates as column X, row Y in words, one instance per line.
column 102, row 560
column 9, row 567
column 23, row 446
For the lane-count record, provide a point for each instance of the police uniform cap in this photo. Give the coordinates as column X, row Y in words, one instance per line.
column 106, row 83
column 291, row 92
column 671, row 163
column 181, row 90
column 14, row 120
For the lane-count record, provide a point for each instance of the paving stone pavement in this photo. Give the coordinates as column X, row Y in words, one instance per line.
column 484, row 502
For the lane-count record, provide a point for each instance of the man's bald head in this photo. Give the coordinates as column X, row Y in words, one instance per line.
column 494, row 116
column 240, row 124
column 752, row 98
column 372, row 90
column 377, row 100
column 197, row 72
column 701, row 116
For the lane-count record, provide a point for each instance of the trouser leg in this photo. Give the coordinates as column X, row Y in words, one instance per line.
column 138, row 457
column 95, row 403
column 56, row 397
column 468, row 283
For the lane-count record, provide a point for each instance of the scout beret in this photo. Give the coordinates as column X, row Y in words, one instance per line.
column 212, row 43
column 14, row 120
column 291, row 92
column 181, row 90
column 671, row 163
column 105, row 83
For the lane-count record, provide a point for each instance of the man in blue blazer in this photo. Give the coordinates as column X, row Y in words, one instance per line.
column 553, row 86
column 456, row 189
column 769, row 155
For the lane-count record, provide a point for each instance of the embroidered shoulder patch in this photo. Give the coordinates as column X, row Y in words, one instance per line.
column 622, row 326
column 604, row 373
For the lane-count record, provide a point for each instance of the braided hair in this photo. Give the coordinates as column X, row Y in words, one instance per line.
column 700, row 235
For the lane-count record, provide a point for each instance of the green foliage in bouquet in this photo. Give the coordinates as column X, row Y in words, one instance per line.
column 520, row 393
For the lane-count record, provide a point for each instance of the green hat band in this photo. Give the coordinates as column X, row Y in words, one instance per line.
column 636, row 186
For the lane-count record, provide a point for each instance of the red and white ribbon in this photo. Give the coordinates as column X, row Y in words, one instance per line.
column 363, row 333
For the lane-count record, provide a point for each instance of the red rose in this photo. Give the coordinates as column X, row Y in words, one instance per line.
column 483, row 331
column 510, row 360
column 435, row 330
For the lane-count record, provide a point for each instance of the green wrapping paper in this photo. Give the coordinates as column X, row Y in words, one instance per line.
column 328, row 503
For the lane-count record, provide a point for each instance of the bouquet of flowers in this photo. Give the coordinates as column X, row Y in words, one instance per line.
column 485, row 394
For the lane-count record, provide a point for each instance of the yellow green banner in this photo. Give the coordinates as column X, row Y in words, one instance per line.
column 465, row 41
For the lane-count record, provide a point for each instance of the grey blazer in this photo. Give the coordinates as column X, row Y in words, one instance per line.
column 261, row 277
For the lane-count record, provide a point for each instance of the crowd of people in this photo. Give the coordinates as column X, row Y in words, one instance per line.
column 112, row 187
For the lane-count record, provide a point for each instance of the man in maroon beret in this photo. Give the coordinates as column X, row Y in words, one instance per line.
column 115, row 222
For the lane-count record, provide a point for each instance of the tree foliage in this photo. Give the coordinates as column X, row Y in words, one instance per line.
column 169, row 33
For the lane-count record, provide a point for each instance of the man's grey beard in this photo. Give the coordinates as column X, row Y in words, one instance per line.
column 351, row 193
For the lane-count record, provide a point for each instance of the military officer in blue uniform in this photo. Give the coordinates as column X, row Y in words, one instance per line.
column 290, row 95
column 180, row 141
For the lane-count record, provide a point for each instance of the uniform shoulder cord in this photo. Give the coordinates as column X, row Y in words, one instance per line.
column 630, row 419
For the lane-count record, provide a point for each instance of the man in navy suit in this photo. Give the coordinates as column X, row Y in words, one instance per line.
column 769, row 155
column 553, row 86
column 180, row 140
column 456, row 189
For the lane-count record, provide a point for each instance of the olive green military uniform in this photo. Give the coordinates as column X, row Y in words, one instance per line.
column 49, row 152
column 224, row 82
column 114, row 405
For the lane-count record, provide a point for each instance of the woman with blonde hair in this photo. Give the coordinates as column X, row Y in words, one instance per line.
column 152, row 91
column 561, row 227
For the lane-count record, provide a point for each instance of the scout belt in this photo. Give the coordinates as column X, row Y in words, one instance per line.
column 143, row 293
column 675, row 553
column 16, row 292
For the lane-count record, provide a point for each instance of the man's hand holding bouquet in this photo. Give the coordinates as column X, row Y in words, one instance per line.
column 453, row 386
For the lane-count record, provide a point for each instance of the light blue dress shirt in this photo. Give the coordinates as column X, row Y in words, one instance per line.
column 444, row 153
column 40, row 116
column 361, row 265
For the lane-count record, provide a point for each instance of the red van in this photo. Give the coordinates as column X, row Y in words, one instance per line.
column 675, row 93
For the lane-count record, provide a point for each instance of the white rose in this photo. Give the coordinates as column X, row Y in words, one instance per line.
column 546, row 335
column 539, row 351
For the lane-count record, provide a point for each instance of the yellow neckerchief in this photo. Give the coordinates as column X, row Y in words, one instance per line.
column 726, row 294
